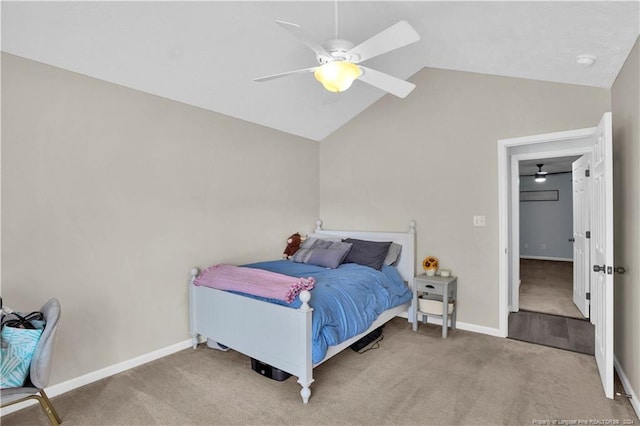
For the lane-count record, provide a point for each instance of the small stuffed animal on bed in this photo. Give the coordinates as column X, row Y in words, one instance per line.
column 293, row 244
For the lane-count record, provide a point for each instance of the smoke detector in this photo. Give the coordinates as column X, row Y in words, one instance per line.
column 585, row 60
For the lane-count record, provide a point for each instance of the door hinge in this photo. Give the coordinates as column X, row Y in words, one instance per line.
column 588, row 296
column 588, row 234
column 587, row 173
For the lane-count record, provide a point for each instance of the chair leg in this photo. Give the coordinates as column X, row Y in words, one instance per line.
column 47, row 406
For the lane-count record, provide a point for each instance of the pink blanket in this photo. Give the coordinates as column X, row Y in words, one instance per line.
column 257, row 282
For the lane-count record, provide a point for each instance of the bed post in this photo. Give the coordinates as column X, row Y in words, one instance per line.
column 306, row 378
column 192, row 307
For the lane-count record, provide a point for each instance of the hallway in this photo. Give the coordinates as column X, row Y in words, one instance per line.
column 547, row 313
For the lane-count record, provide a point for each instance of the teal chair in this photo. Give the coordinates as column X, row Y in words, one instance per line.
column 40, row 369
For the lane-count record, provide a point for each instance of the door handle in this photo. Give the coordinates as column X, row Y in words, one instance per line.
column 619, row 269
column 571, row 240
column 598, row 268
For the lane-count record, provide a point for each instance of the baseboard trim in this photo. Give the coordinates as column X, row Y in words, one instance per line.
column 635, row 403
column 469, row 327
column 60, row 388
column 560, row 259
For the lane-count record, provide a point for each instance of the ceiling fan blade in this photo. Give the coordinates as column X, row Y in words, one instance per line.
column 284, row 74
column 297, row 31
column 394, row 37
column 386, row 82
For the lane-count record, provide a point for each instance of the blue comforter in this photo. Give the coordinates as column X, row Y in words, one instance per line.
column 345, row 300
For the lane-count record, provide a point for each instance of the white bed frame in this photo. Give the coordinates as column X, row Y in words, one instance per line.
column 275, row 334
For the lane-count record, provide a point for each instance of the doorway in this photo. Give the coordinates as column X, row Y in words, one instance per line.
column 575, row 143
column 599, row 264
column 547, row 314
column 546, row 236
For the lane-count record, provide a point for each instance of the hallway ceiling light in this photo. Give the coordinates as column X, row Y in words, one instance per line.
column 540, row 176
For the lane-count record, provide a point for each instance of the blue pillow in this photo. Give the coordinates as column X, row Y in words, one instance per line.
column 367, row 253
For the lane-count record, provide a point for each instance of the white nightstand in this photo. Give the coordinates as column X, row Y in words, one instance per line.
column 441, row 289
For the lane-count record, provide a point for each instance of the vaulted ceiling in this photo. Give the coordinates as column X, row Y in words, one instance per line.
column 207, row 53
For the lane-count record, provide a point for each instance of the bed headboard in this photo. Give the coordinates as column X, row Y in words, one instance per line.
column 407, row 262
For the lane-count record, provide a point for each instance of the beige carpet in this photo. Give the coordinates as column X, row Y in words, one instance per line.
column 547, row 286
column 412, row 379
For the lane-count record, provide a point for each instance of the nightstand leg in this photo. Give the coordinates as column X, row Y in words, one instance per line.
column 445, row 314
column 414, row 308
column 453, row 315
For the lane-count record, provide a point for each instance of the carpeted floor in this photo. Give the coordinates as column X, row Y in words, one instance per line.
column 552, row 330
column 412, row 379
column 547, row 286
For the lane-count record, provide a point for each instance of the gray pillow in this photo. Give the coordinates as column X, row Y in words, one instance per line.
column 308, row 243
column 367, row 253
column 304, row 254
column 393, row 254
column 301, row 256
column 312, row 242
column 328, row 257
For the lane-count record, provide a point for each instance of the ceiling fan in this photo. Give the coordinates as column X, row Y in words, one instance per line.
column 339, row 60
column 540, row 176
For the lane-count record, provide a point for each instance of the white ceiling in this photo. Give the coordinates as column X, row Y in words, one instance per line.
column 207, row 53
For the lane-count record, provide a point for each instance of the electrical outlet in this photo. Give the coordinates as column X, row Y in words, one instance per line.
column 479, row 221
column 526, row 245
column 543, row 246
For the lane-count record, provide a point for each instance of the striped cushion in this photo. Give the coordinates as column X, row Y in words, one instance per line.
column 18, row 345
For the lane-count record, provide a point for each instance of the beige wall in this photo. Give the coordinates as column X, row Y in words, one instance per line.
column 625, row 99
column 432, row 157
column 110, row 195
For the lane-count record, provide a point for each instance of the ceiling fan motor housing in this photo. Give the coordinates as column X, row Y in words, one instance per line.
column 338, row 49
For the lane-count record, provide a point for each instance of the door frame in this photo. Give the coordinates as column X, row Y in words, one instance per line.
column 557, row 144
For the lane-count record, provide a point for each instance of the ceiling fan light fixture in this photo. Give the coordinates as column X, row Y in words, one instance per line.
column 337, row 76
column 540, row 176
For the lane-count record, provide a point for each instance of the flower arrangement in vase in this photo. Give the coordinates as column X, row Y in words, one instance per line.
column 430, row 265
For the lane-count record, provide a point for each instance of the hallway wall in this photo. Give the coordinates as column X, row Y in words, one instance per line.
column 546, row 226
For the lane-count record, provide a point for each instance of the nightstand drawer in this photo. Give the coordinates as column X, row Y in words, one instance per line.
column 429, row 288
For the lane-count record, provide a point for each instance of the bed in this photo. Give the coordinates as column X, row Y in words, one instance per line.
column 280, row 335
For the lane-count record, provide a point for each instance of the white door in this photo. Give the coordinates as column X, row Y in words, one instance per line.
column 602, row 251
column 581, row 255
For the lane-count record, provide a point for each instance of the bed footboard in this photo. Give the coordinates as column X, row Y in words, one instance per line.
column 274, row 334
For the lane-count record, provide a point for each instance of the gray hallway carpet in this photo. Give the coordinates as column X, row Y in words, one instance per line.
column 412, row 379
column 552, row 330
column 547, row 286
